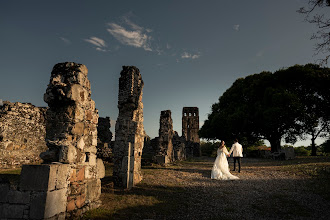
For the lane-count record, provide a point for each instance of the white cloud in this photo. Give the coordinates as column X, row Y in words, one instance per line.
column 98, row 42
column 136, row 36
column 186, row 55
column 236, row 27
column 65, row 40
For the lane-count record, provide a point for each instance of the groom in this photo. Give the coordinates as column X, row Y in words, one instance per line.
column 237, row 151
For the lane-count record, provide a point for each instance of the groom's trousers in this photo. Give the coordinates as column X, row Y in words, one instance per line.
column 238, row 159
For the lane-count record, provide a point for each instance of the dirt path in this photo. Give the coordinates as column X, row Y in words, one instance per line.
column 267, row 189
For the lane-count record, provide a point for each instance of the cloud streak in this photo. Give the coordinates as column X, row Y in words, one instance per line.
column 65, row 40
column 186, row 55
column 98, row 42
column 135, row 35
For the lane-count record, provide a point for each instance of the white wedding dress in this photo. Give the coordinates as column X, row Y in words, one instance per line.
column 220, row 170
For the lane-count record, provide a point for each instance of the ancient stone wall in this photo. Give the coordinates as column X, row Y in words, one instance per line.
column 164, row 151
column 190, row 128
column 130, row 133
column 22, row 134
column 104, row 136
column 179, row 147
column 68, row 183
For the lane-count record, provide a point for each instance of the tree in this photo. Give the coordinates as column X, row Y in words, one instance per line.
column 323, row 25
column 289, row 104
column 311, row 84
column 253, row 108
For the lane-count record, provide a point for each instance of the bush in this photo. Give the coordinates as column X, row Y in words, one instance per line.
column 302, row 151
column 325, row 148
column 209, row 149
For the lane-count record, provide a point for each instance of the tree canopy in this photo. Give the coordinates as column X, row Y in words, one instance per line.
column 289, row 103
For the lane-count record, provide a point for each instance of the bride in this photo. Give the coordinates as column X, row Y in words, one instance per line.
column 220, row 170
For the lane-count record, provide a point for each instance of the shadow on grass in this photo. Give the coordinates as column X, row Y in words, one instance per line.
column 211, row 202
column 212, row 199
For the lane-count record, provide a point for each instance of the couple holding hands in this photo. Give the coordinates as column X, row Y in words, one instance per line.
column 220, row 168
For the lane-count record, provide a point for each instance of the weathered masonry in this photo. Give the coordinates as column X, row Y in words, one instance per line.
column 190, row 127
column 130, row 132
column 68, row 183
column 164, row 151
column 104, row 137
column 22, row 134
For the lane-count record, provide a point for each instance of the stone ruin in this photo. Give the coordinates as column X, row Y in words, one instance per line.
column 179, row 147
column 190, row 128
column 22, row 134
column 129, row 139
column 164, row 149
column 168, row 146
column 68, row 183
column 104, row 136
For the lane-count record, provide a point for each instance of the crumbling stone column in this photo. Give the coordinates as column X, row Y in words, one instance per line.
column 130, row 133
column 190, row 128
column 68, row 183
column 164, row 153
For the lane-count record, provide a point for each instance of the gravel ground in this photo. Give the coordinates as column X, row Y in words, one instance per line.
column 266, row 189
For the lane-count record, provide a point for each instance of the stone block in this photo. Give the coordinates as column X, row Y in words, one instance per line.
column 93, row 189
column 4, row 190
column 68, row 154
column 18, row 197
column 92, row 159
column 100, row 169
column 90, row 172
column 81, row 143
column 81, row 174
column 71, row 205
column 63, row 171
column 44, row 177
column 78, row 129
column 12, row 211
column 56, row 202
column 35, row 177
column 37, row 205
column 80, row 201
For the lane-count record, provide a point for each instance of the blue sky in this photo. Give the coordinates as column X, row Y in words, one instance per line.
column 188, row 52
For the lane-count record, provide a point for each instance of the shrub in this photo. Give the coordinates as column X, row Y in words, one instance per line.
column 209, row 149
column 302, row 151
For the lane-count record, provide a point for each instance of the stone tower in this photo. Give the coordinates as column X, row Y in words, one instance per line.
column 164, row 153
column 190, row 128
column 129, row 138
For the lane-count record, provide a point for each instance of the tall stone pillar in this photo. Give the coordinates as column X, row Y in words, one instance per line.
column 164, row 153
column 190, row 128
column 129, row 138
column 71, row 137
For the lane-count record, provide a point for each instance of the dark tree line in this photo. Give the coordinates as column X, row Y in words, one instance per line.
column 290, row 103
